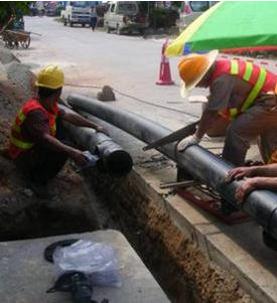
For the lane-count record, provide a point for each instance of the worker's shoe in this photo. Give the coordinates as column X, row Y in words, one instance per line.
column 41, row 190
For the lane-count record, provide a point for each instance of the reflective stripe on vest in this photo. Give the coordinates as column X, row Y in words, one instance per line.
column 234, row 70
column 255, row 90
column 21, row 144
column 16, row 137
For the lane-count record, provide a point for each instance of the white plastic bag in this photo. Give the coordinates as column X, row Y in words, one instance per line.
column 97, row 260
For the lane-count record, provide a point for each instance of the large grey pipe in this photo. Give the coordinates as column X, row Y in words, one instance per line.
column 112, row 158
column 200, row 163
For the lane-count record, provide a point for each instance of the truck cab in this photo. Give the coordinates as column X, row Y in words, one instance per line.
column 125, row 16
column 77, row 12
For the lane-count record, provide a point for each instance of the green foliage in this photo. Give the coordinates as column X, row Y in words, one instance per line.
column 160, row 16
column 12, row 8
column 163, row 17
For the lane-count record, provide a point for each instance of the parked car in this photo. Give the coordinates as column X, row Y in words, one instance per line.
column 125, row 17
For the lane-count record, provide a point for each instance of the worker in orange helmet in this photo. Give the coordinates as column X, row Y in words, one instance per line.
column 35, row 144
column 241, row 93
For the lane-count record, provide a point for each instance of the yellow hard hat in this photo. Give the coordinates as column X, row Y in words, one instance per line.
column 51, row 76
column 193, row 68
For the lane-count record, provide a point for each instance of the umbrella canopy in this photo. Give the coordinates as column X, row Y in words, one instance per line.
column 230, row 25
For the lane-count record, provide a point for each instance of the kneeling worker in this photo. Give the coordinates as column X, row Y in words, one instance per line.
column 34, row 142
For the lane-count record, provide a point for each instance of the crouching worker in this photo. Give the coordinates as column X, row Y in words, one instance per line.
column 241, row 93
column 36, row 143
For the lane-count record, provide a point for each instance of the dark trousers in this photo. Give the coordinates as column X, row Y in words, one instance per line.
column 93, row 22
column 259, row 121
column 41, row 164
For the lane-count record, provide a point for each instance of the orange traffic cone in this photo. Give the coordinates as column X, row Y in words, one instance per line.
column 165, row 75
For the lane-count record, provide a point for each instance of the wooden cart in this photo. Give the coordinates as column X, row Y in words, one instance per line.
column 14, row 39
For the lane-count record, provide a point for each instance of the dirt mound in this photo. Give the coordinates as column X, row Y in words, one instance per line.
column 10, row 101
column 6, row 56
column 20, row 76
column 3, row 73
column 23, row 215
column 16, row 86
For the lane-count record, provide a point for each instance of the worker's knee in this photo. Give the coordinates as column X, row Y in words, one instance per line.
column 237, row 137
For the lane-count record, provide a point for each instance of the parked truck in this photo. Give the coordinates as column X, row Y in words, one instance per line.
column 77, row 12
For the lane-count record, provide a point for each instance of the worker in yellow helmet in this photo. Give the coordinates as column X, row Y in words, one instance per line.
column 35, row 144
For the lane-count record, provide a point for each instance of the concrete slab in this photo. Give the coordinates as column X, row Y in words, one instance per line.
column 25, row 275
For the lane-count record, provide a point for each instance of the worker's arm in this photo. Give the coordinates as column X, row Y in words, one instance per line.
column 268, row 170
column 73, row 153
column 219, row 98
column 206, row 122
column 78, row 120
column 36, row 129
column 251, row 184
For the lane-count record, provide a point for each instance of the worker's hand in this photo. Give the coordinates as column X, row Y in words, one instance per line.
column 79, row 157
column 239, row 173
column 191, row 140
column 242, row 191
column 101, row 129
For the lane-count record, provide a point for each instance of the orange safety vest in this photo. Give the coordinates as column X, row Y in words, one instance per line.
column 260, row 79
column 18, row 143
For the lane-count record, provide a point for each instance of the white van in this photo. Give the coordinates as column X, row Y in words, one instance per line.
column 125, row 17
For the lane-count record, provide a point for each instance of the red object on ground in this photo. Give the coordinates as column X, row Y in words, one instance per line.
column 165, row 74
column 211, row 205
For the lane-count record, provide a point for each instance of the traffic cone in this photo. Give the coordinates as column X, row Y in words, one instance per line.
column 165, row 75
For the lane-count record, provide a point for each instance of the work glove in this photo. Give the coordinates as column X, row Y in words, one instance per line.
column 191, row 140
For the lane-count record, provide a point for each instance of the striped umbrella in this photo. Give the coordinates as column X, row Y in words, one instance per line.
column 230, row 25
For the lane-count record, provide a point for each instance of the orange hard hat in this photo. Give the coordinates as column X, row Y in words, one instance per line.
column 193, row 68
